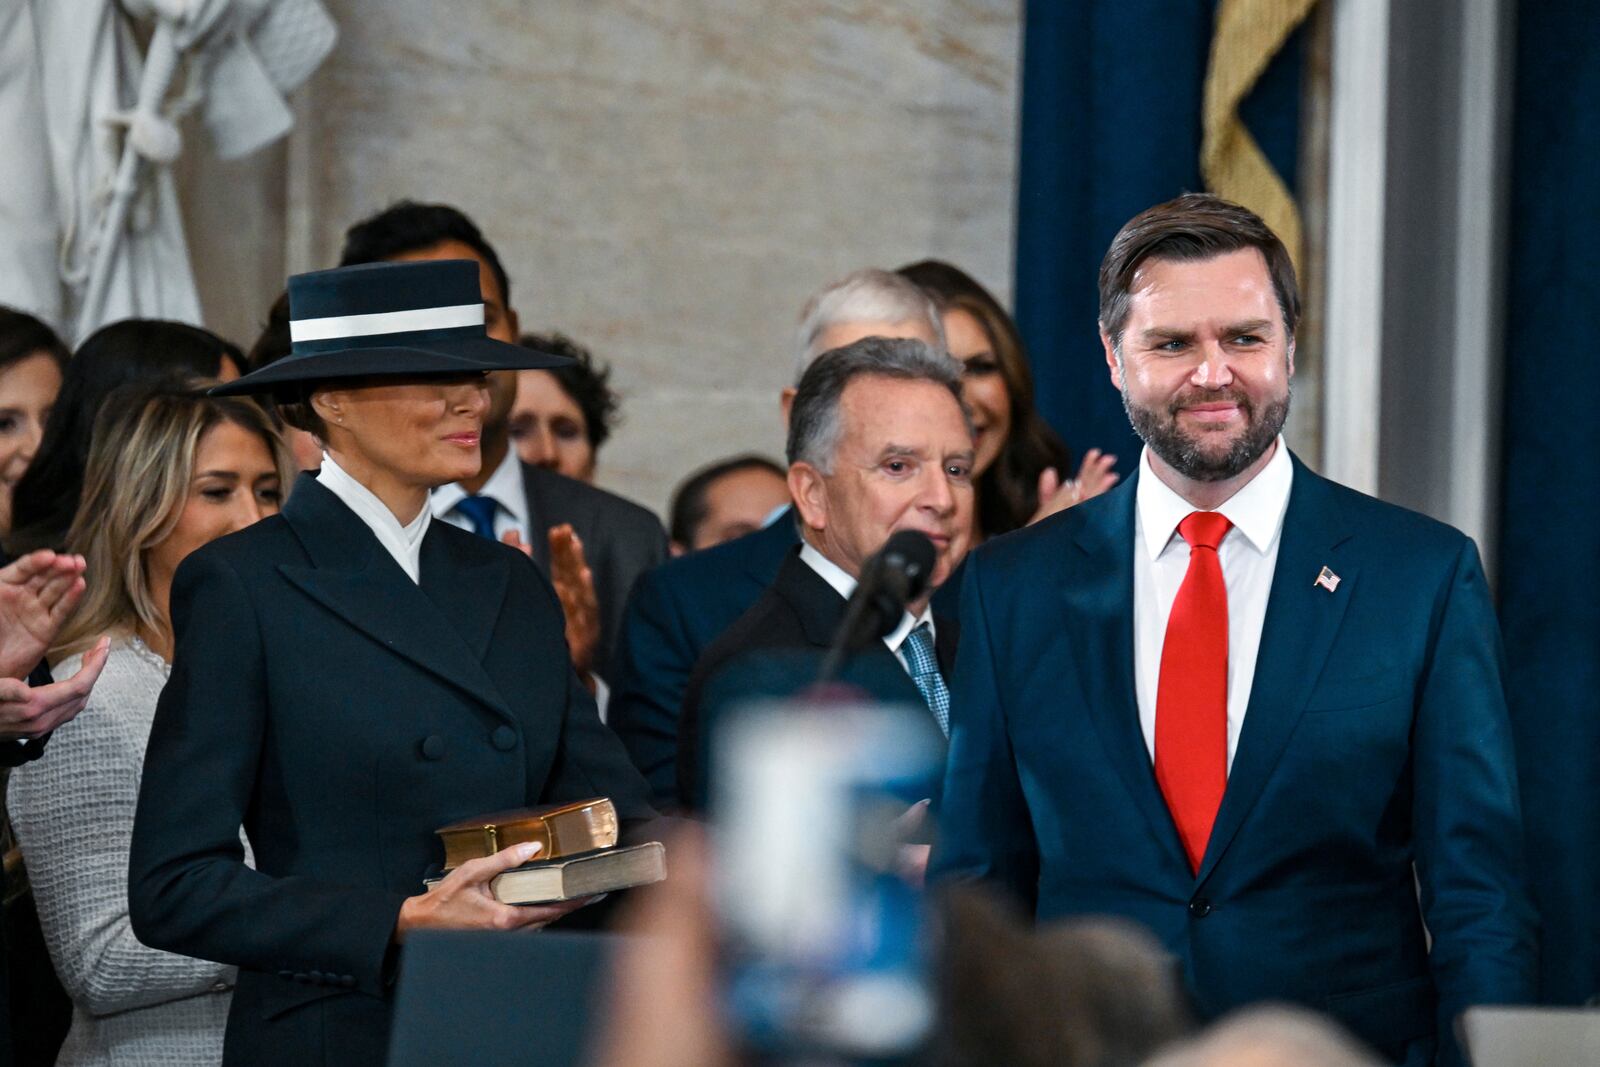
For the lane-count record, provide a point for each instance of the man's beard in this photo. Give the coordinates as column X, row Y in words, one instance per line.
column 1185, row 454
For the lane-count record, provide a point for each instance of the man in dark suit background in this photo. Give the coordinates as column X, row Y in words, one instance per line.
column 678, row 609
column 1254, row 710
column 878, row 442
column 612, row 540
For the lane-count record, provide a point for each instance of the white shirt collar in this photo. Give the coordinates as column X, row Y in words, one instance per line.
column 845, row 584
column 404, row 543
column 504, row 487
column 1256, row 510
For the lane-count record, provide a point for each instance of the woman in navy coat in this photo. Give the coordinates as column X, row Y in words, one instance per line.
column 349, row 676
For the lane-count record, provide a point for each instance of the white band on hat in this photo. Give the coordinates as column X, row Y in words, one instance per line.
column 410, row 321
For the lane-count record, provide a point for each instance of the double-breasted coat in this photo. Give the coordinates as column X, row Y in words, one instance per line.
column 340, row 713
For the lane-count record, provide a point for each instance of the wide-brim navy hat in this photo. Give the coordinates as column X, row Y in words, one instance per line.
column 386, row 319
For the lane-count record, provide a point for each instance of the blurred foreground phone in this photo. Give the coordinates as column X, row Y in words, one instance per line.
column 826, row 944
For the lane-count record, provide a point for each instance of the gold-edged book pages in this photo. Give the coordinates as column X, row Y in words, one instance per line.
column 563, row 830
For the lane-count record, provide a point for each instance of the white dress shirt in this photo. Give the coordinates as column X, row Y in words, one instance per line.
column 1249, row 555
column 504, row 487
column 404, row 543
column 845, row 585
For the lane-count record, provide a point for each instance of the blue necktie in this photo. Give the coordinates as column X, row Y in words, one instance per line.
column 479, row 511
column 925, row 673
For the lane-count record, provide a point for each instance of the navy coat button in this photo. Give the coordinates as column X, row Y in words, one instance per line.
column 316, row 977
column 504, row 738
column 347, row 980
column 433, row 747
column 299, row 977
column 1200, row 908
column 286, row 974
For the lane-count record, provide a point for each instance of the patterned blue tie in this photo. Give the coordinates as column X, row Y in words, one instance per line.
column 925, row 673
column 479, row 511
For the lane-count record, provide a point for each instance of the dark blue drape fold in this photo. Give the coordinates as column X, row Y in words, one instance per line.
column 1111, row 103
column 1550, row 523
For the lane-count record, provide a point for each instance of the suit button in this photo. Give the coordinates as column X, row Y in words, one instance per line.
column 433, row 747
column 316, row 977
column 504, row 738
column 298, row 977
column 1200, row 908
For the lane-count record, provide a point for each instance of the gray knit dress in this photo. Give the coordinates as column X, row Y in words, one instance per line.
column 73, row 815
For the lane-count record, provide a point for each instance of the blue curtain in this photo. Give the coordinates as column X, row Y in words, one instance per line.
column 1111, row 98
column 1550, row 523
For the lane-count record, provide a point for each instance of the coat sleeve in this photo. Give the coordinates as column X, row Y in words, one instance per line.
column 985, row 832
column 634, row 544
column 190, row 890
column 73, row 814
column 590, row 759
column 1467, row 820
column 653, row 662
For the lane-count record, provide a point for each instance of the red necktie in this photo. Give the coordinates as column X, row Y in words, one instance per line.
column 1192, row 693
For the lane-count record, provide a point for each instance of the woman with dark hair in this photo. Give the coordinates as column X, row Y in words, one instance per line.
column 349, row 675
column 1021, row 463
column 561, row 417
column 32, row 359
column 134, row 350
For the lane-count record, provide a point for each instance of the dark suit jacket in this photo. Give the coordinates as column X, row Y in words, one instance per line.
column 674, row 614
column 621, row 541
column 341, row 713
column 1376, row 736
column 800, row 613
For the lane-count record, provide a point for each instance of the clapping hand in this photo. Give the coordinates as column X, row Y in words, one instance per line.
column 32, row 711
column 1095, row 476
column 574, row 584
column 37, row 593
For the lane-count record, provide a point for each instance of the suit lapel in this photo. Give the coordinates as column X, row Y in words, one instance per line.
column 946, row 639
column 352, row 576
column 820, row 609
column 1098, row 586
column 1301, row 622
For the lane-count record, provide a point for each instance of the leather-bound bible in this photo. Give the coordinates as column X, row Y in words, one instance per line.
column 563, row 830
column 579, row 876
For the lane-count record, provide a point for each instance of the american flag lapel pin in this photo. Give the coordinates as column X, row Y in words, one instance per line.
column 1328, row 580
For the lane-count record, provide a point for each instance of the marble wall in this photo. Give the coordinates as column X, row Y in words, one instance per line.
column 666, row 180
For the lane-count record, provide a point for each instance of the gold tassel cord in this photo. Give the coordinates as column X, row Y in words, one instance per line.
column 1248, row 34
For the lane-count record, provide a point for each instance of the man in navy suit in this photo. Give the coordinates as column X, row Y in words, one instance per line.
column 879, row 442
column 1254, row 710
column 678, row 609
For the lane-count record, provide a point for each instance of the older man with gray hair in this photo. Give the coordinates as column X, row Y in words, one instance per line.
column 679, row 608
column 879, row 442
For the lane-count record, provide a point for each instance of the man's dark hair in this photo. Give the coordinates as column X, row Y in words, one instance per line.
column 815, row 425
column 586, row 381
column 689, row 501
column 1195, row 226
column 407, row 226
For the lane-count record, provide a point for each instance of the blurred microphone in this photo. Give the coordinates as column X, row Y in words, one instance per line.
column 899, row 573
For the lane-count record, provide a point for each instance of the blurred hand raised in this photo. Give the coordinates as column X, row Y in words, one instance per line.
column 37, row 593
column 33, row 711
